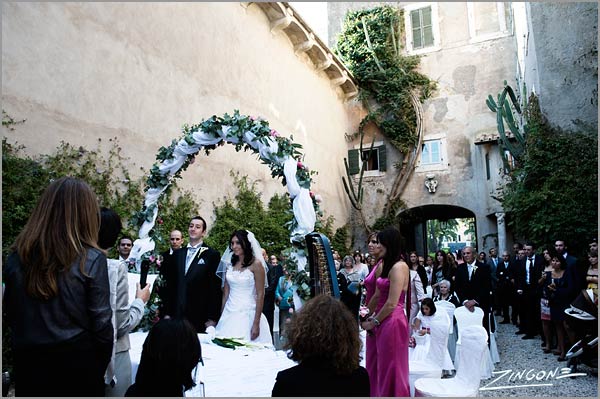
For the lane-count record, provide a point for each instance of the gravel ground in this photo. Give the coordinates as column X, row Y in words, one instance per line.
column 524, row 355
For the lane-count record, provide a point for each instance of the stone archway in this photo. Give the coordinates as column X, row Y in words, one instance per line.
column 412, row 222
column 279, row 153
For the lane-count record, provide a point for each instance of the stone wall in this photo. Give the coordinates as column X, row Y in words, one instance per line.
column 467, row 67
column 79, row 72
column 564, row 61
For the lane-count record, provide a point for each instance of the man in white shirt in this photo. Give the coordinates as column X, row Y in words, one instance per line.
column 124, row 248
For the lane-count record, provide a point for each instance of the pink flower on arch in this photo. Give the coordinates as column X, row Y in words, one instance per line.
column 274, row 133
column 300, row 165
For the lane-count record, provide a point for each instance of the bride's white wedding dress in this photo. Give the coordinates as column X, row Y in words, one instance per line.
column 240, row 309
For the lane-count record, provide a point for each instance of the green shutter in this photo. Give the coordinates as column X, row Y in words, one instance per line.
column 427, row 36
column 415, row 21
column 382, row 158
column 426, row 13
column 353, row 162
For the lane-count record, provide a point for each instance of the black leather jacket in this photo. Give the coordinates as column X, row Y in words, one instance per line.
column 82, row 304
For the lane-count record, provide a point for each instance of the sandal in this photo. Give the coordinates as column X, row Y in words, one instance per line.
column 561, row 359
column 546, row 350
column 555, row 352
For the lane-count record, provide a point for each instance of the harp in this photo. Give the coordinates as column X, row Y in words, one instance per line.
column 323, row 276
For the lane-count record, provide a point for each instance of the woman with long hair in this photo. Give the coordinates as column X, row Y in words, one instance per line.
column 350, row 279
column 323, row 338
column 243, row 271
column 170, row 353
column 558, row 290
column 441, row 271
column 370, row 285
column 389, row 321
column 57, row 296
column 547, row 327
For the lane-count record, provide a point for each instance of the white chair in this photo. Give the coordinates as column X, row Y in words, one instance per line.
column 464, row 319
column 495, row 355
column 429, row 291
column 449, row 308
column 438, row 346
column 472, row 351
column 437, row 357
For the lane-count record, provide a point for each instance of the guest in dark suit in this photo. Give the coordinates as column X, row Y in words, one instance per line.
column 576, row 271
column 504, row 293
column 473, row 285
column 192, row 288
column 175, row 241
column 275, row 271
column 528, row 273
column 323, row 338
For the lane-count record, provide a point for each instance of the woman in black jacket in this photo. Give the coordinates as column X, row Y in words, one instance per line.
column 57, row 296
column 323, row 338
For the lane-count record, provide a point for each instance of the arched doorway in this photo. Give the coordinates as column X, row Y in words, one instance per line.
column 422, row 226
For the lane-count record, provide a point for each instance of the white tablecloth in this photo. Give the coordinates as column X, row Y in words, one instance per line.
column 227, row 372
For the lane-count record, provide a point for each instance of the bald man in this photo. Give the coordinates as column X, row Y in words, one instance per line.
column 473, row 285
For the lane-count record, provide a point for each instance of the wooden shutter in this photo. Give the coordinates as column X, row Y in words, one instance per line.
column 427, row 27
column 382, row 158
column 353, row 162
column 415, row 22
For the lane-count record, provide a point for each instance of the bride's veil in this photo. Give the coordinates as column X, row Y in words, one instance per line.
column 227, row 255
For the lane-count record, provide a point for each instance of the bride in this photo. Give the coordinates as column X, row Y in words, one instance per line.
column 243, row 274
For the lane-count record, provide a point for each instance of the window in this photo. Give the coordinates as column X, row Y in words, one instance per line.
column 431, row 152
column 509, row 161
column 487, row 20
column 422, row 28
column 375, row 161
column 487, row 166
column 371, row 158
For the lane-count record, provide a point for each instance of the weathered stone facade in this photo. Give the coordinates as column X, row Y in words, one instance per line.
column 78, row 72
column 558, row 59
column 472, row 54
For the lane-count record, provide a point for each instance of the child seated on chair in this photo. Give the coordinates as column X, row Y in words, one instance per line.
column 422, row 323
column 422, row 330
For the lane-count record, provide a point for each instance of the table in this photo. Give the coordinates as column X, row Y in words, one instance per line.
column 227, row 372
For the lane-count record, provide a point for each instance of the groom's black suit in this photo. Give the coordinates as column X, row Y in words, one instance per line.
column 197, row 295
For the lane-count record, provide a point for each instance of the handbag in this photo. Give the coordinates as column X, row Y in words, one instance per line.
column 545, row 309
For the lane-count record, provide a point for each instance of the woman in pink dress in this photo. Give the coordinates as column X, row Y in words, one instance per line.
column 370, row 287
column 389, row 322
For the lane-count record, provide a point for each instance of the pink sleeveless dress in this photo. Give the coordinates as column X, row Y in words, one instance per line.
column 391, row 339
column 371, row 347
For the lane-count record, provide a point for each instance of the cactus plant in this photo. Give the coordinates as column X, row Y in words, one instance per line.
column 504, row 113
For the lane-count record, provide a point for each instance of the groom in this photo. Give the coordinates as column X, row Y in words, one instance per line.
column 192, row 288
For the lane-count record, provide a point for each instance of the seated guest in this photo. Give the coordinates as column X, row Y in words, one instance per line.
column 446, row 294
column 170, row 353
column 323, row 338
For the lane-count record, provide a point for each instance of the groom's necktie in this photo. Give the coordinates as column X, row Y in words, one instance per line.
column 191, row 252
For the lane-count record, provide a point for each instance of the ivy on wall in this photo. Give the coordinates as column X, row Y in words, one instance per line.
column 370, row 46
column 553, row 193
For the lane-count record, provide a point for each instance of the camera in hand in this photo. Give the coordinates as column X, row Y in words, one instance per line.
column 144, row 273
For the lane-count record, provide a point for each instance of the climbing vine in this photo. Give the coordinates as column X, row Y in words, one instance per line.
column 370, row 46
column 553, row 192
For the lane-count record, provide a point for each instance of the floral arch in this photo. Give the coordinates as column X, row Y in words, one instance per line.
column 250, row 133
